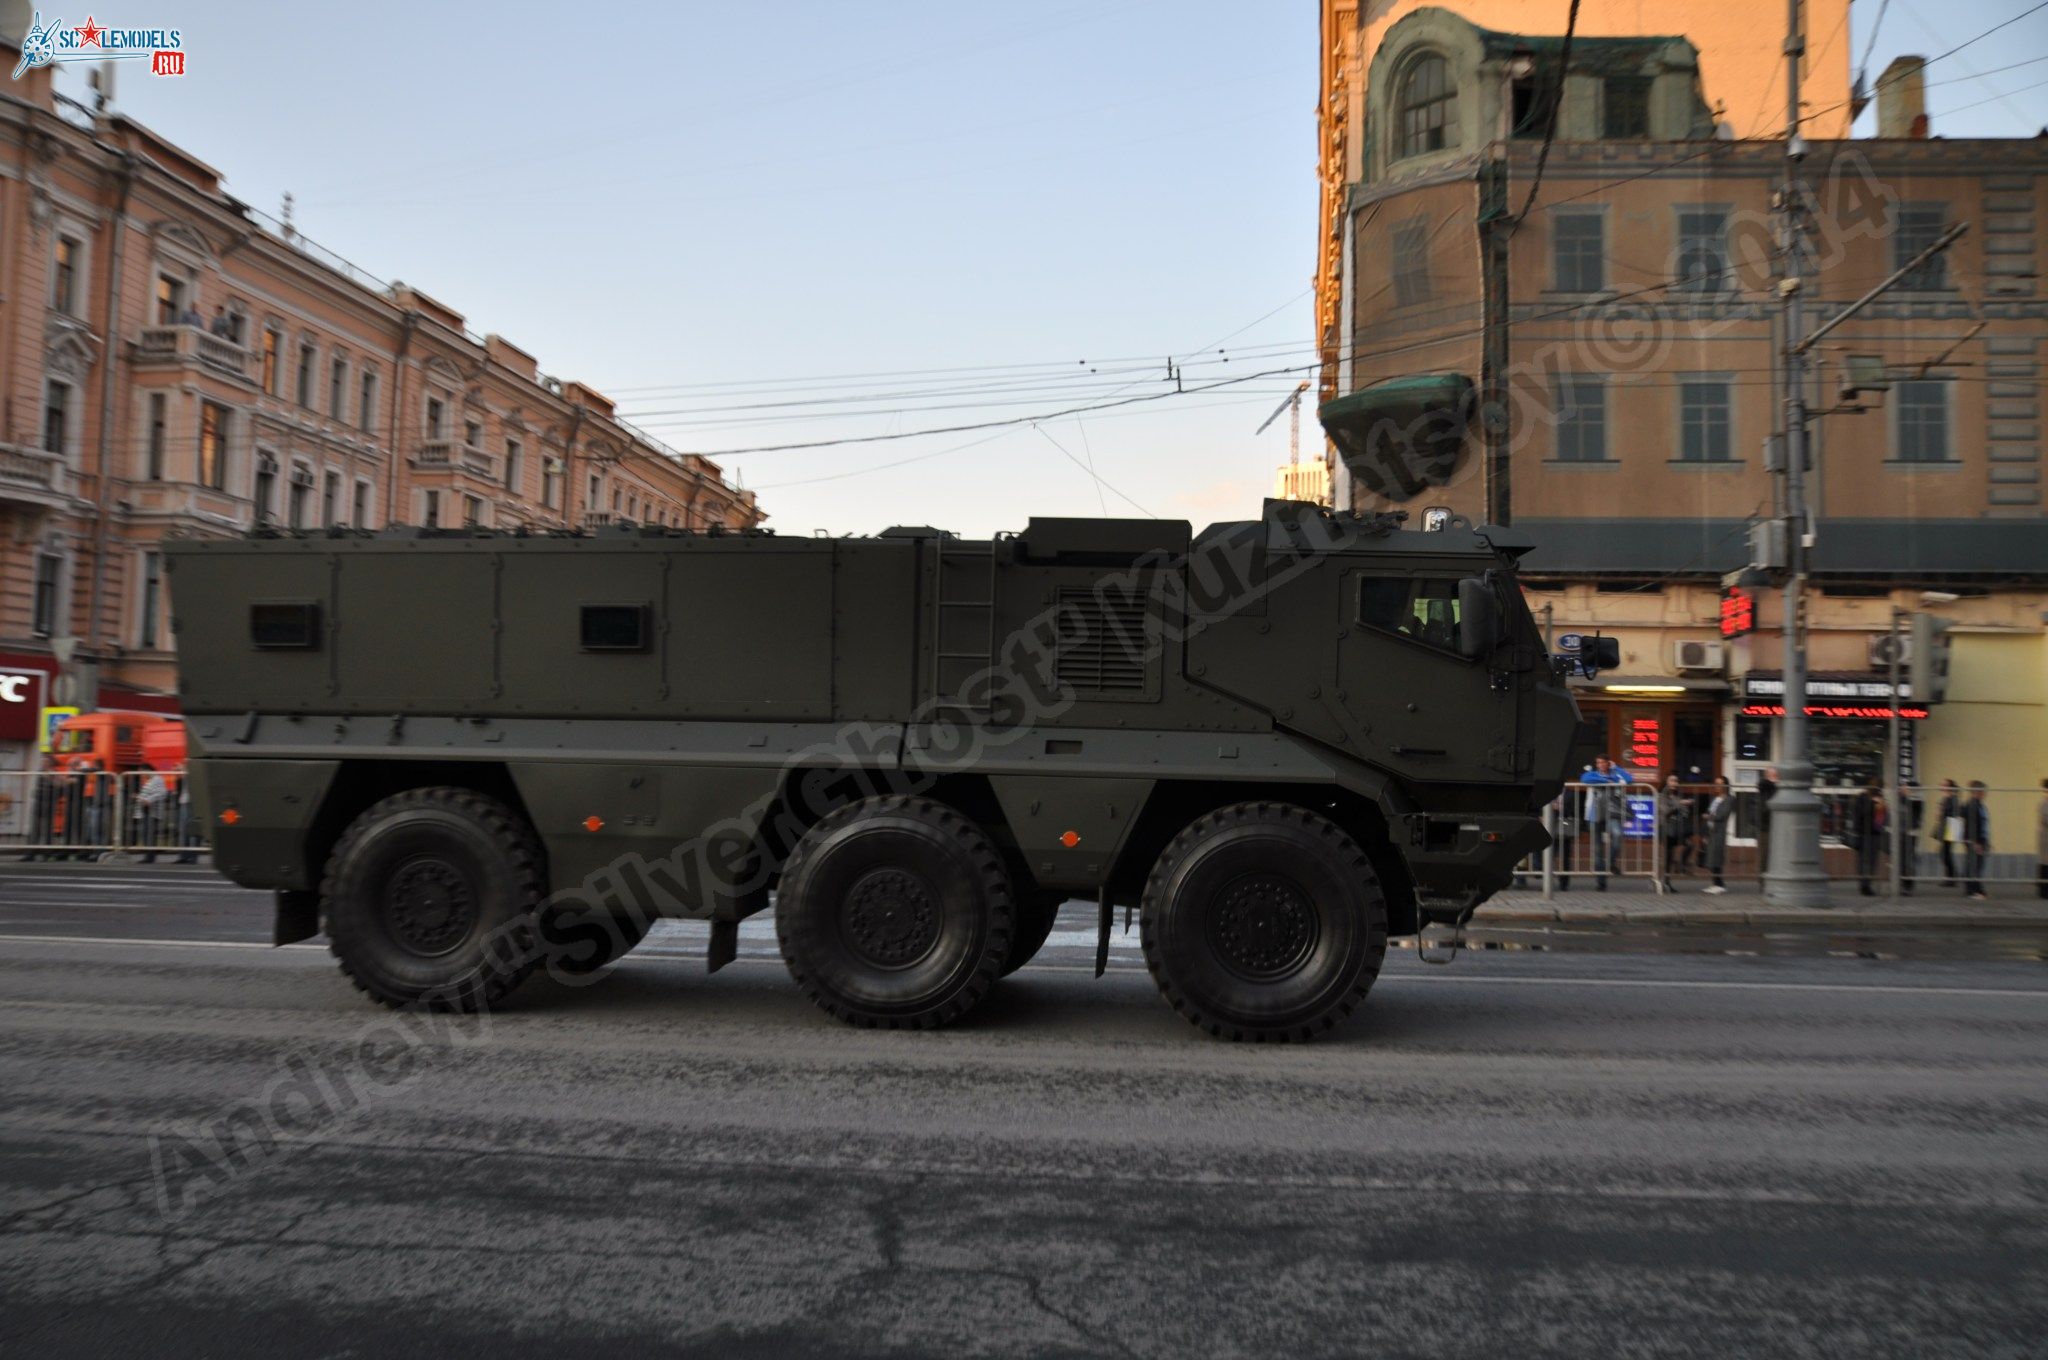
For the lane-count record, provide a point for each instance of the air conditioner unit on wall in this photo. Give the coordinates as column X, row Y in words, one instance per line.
column 1884, row 645
column 1698, row 656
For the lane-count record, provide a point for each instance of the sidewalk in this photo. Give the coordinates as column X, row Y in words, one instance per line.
column 2012, row 906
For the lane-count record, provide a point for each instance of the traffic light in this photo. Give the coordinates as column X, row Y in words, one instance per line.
column 1929, row 657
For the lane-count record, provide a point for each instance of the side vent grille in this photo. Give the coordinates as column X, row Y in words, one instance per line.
column 1103, row 647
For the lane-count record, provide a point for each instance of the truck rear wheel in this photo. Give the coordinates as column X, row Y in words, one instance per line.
column 429, row 898
column 1036, row 913
column 895, row 911
column 1264, row 921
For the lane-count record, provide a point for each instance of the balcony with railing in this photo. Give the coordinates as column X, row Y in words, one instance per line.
column 158, row 346
column 454, row 455
column 33, row 476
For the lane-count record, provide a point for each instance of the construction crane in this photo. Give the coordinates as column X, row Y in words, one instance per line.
column 1292, row 405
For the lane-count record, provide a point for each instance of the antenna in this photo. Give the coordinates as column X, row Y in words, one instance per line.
column 1292, row 405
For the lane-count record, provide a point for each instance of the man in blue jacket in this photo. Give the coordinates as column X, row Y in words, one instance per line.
column 1606, row 810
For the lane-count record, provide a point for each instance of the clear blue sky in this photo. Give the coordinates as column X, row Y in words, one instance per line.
column 654, row 196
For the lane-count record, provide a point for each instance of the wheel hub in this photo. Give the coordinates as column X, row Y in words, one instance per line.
column 892, row 918
column 1262, row 926
column 431, row 906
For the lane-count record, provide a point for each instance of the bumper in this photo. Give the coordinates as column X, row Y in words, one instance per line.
column 1460, row 860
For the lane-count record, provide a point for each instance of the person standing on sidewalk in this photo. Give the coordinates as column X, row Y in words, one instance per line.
column 1948, row 830
column 2041, row 843
column 1866, row 833
column 1914, row 809
column 1675, row 807
column 1605, row 809
column 1716, row 833
column 1976, row 840
column 1766, row 790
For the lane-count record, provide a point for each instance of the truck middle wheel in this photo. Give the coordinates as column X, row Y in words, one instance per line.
column 895, row 911
column 1264, row 921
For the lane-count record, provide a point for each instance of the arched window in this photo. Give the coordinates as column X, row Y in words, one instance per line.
column 1429, row 106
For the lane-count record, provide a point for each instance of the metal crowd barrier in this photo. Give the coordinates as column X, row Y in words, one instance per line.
column 1647, row 839
column 61, row 814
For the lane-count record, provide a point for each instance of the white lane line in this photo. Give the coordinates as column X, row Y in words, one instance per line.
column 2018, row 993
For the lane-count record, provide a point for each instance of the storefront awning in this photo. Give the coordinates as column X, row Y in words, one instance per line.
column 1403, row 435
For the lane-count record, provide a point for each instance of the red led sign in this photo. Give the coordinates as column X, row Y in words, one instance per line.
column 1738, row 612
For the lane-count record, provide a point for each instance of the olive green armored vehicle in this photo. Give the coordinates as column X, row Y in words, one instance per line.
column 466, row 755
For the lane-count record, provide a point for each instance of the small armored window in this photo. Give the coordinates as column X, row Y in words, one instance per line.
column 615, row 628
column 1421, row 610
column 285, row 624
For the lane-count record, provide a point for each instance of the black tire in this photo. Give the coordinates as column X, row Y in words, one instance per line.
column 1036, row 913
column 1264, row 921
column 896, row 912
column 429, row 898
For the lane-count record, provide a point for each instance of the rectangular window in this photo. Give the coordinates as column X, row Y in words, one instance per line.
column 56, row 416
column 43, row 606
column 1410, row 263
column 330, row 497
column 433, row 515
column 297, row 499
column 362, row 512
column 1627, row 111
column 512, row 467
column 1580, row 243
column 1919, row 226
column 64, row 276
column 337, row 389
column 1581, row 406
column 472, row 511
column 306, row 357
column 1923, row 421
column 285, row 623
column 266, row 488
column 614, row 627
column 1703, row 420
column 1423, row 610
column 1702, row 250
column 551, row 483
column 1534, row 104
column 158, row 423
column 366, row 406
column 213, row 445
column 170, row 300
column 472, row 434
column 436, row 417
column 152, row 600
column 273, row 348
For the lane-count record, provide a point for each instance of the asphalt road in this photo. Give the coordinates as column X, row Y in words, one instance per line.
column 1525, row 1154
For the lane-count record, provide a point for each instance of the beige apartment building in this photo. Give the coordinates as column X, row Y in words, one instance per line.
column 169, row 366
column 1601, row 366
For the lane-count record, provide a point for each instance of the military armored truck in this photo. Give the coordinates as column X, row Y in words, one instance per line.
column 466, row 755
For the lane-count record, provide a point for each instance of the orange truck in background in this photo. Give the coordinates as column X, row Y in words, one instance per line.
column 119, row 742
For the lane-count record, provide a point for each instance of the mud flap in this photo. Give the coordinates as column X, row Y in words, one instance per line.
column 1105, row 916
column 725, row 945
column 298, row 916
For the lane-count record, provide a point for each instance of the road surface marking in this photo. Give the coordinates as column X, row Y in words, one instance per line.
column 666, row 956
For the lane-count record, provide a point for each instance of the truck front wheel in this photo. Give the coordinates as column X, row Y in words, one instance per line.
column 1264, row 921
column 429, row 899
column 895, row 911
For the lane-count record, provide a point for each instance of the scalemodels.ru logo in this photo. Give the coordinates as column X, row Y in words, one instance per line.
column 47, row 44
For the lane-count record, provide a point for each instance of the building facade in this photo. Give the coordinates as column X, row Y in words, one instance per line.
column 1599, row 363
column 170, row 366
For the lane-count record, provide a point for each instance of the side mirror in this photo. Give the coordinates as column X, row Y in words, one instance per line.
column 1478, row 618
column 1600, row 654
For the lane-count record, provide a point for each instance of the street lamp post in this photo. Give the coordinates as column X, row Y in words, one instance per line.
column 1794, row 876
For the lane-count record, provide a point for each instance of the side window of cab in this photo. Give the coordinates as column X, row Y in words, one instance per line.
column 1422, row 609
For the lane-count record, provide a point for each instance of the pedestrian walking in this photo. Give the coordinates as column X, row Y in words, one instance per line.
column 1675, row 810
column 1605, row 809
column 1948, row 830
column 2041, row 843
column 1976, row 840
column 1913, row 810
column 1867, row 833
column 1719, row 807
column 1766, row 790
column 152, row 804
